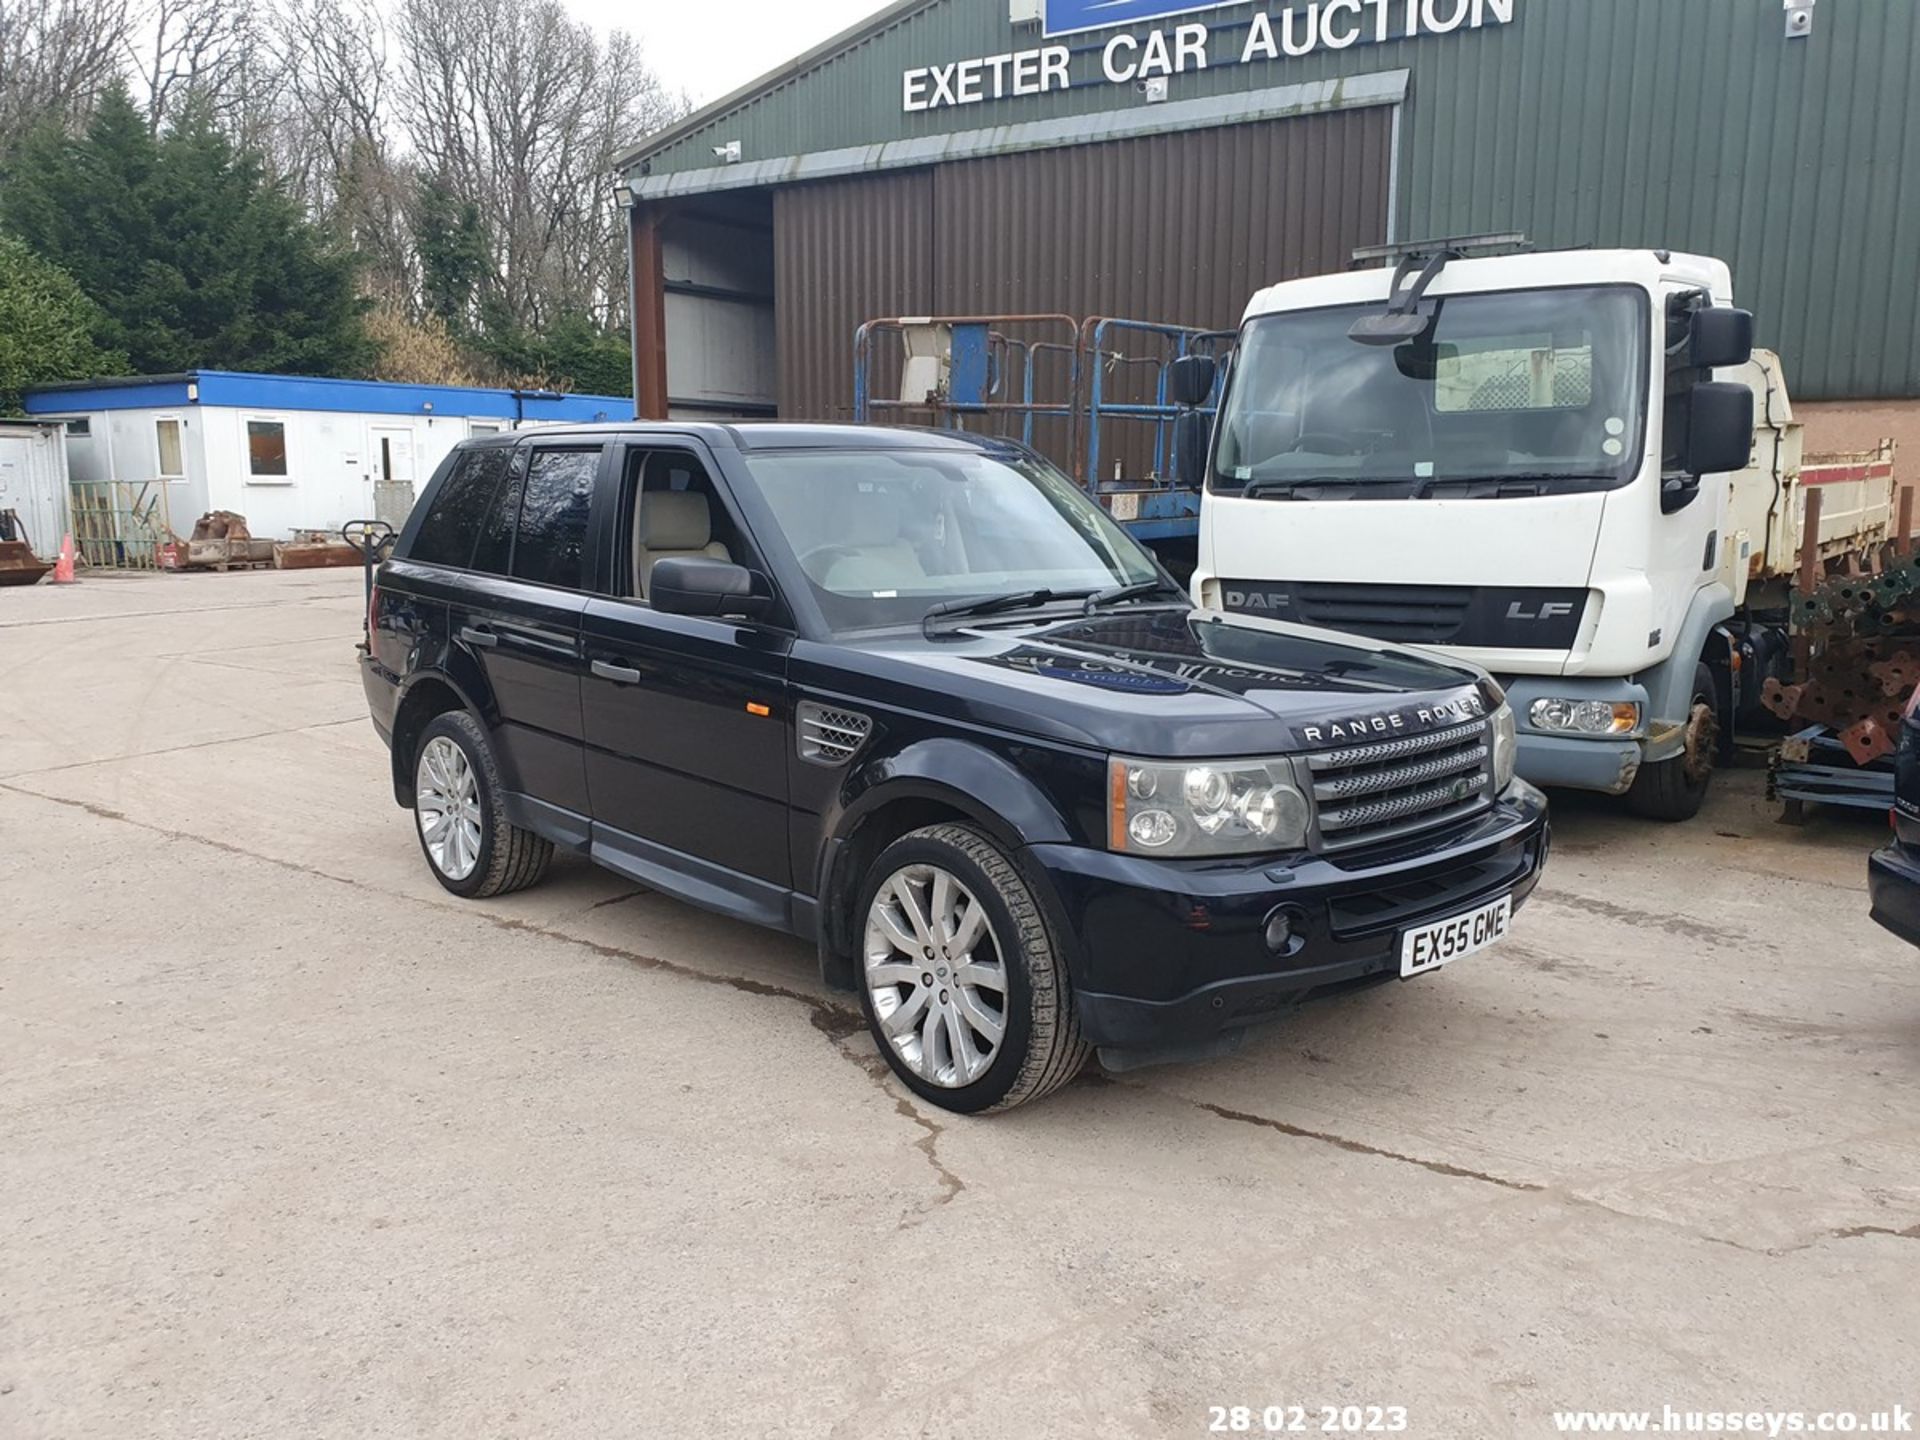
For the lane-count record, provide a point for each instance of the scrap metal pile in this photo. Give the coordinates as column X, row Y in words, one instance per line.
column 1857, row 641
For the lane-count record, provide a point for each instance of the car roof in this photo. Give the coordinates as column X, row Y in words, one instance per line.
column 766, row 436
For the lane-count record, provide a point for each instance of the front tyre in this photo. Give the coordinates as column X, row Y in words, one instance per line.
column 459, row 810
column 1675, row 789
column 963, row 987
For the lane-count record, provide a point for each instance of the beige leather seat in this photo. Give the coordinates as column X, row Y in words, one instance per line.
column 882, row 559
column 674, row 525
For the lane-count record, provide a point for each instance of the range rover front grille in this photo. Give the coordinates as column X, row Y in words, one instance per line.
column 1371, row 794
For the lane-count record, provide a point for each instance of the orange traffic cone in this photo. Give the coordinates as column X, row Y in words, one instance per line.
column 63, row 567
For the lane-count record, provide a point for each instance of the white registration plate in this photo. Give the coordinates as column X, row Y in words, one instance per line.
column 1432, row 946
column 1126, row 506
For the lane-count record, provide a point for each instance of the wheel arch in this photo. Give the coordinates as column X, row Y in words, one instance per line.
column 425, row 698
column 937, row 782
column 1670, row 683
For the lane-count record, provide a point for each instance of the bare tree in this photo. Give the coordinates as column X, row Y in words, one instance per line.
column 521, row 108
column 215, row 48
column 334, row 144
column 56, row 56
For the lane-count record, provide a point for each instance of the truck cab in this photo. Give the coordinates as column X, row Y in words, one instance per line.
column 1506, row 459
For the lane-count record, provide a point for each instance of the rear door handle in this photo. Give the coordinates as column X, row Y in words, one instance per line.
column 484, row 639
column 618, row 674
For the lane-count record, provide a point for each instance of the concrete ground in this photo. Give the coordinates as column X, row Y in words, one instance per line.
column 293, row 1143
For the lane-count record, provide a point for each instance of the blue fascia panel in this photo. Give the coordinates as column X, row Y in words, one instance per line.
column 236, row 390
column 171, row 395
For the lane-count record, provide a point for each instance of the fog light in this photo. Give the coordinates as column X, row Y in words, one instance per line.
column 1283, row 931
column 1585, row 717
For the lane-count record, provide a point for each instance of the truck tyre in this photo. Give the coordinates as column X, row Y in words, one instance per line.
column 459, row 811
column 963, row 986
column 1674, row 789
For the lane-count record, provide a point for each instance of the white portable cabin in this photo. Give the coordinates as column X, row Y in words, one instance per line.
column 288, row 452
column 33, row 481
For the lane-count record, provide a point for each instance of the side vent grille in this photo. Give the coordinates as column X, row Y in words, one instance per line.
column 829, row 736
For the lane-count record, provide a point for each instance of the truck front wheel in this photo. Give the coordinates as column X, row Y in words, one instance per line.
column 1675, row 789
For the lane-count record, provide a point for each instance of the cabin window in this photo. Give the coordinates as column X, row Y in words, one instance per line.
column 169, row 435
column 266, row 449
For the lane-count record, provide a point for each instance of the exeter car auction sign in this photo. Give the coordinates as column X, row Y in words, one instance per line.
column 1125, row 59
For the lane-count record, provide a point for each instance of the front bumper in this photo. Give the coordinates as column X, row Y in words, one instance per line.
column 1893, row 881
column 1171, row 953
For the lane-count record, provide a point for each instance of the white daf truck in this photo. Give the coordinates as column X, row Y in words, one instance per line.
column 1545, row 463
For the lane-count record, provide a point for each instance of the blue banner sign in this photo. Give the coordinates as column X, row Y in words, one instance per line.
column 1280, row 32
column 1069, row 17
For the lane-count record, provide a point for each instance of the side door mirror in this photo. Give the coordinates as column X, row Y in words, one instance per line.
column 1720, row 429
column 1191, row 378
column 1721, row 336
column 1719, row 440
column 714, row 589
column 1192, row 438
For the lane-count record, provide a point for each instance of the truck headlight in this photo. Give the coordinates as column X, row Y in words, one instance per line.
column 1187, row 809
column 1585, row 717
column 1506, row 742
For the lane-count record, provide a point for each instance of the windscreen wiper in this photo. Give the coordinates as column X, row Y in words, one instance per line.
column 1121, row 594
column 1316, row 487
column 998, row 604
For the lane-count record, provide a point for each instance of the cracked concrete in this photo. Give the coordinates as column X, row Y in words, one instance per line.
column 296, row 1143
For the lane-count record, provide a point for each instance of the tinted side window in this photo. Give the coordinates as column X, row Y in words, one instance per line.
column 495, row 550
column 553, row 517
column 460, row 504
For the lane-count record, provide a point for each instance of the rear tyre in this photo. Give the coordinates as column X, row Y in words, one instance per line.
column 964, row 989
column 459, row 810
column 1675, row 789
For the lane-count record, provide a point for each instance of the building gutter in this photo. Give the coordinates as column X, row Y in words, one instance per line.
column 1387, row 87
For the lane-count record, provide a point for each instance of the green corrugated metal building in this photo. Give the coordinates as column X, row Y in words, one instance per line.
column 952, row 156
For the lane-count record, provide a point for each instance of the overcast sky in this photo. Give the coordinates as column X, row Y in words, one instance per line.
column 712, row 47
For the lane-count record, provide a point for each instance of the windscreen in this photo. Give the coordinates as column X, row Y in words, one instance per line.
column 1540, row 385
column 883, row 536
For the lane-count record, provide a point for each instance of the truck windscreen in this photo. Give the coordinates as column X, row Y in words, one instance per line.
column 1541, row 386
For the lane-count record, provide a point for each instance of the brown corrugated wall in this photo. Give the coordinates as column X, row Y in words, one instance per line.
column 1178, row 228
column 845, row 251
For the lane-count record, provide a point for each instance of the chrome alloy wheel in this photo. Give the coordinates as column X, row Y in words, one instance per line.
column 447, row 800
column 936, row 976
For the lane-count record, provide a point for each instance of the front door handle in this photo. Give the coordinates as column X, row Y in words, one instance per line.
column 618, row 674
column 483, row 639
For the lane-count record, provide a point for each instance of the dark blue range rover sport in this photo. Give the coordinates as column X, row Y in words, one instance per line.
column 915, row 697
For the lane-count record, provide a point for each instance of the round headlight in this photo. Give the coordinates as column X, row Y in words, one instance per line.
column 1153, row 829
column 1593, row 715
column 1551, row 715
column 1208, row 789
column 1271, row 810
column 1143, row 784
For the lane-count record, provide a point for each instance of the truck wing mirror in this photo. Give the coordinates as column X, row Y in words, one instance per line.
column 1191, row 379
column 1192, row 433
column 1720, row 428
column 715, row 589
column 1721, row 336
